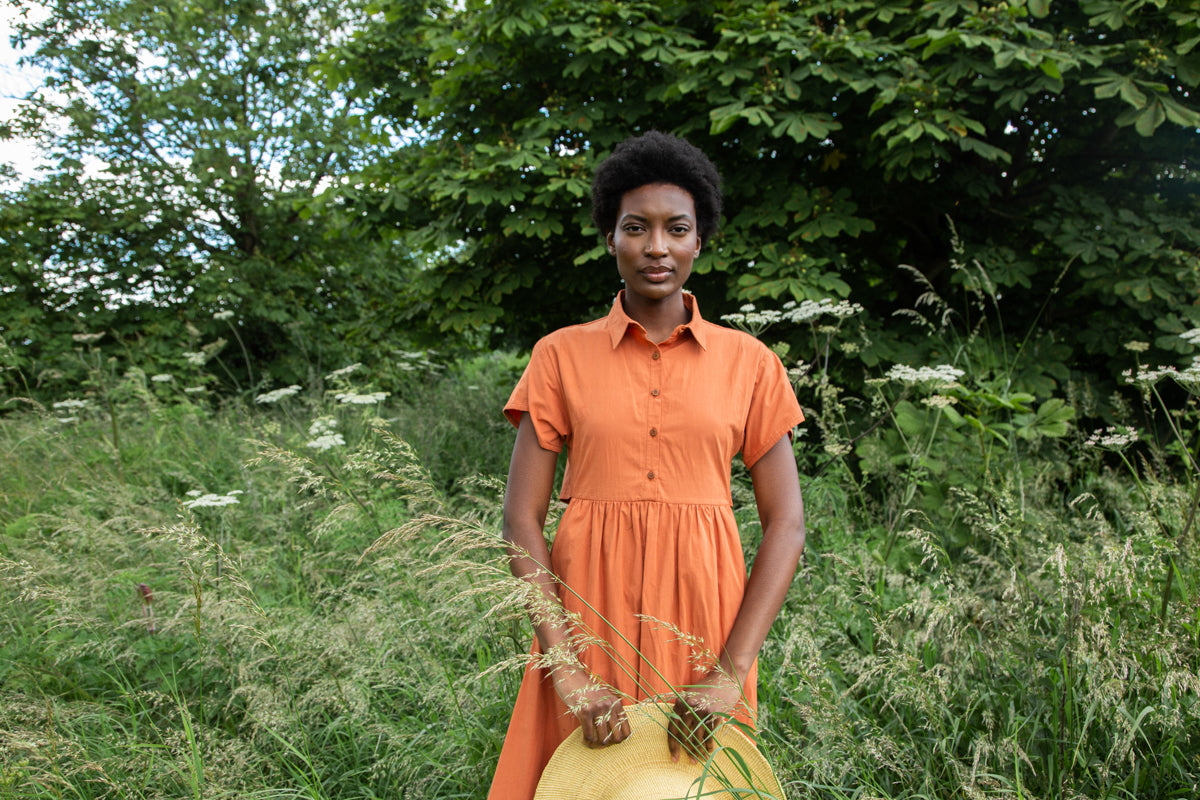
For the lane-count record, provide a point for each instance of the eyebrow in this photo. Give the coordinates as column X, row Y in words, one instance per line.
column 639, row 217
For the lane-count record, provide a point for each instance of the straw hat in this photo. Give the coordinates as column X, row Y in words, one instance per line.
column 640, row 768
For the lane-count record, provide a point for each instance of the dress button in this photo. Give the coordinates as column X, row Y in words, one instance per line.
column 654, row 431
column 656, row 355
column 654, row 392
column 650, row 475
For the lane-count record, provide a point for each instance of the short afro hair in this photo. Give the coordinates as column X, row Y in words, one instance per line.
column 657, row 158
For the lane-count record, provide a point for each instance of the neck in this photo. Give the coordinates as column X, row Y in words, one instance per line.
column 659, row 318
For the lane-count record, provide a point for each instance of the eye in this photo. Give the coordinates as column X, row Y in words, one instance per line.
column 633, row 227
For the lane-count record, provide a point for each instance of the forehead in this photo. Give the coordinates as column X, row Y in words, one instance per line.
column 657, row 199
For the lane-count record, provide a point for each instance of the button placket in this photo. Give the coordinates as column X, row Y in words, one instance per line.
column 654, row 418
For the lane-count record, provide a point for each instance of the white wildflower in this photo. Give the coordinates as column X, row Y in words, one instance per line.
column 194, row 493
column 223, row 315
column 940, row 375
column 195, row 359
column 61, row 404
column 194, row 390
column 361, row 399
column 326, row 441
column 162, row 378
column 1137, row 347
column 278, row 394
column 87, row 338
column 414, row 361
column 344, row 371
column 754, row 322
column 1113, row 438
column 809, row 310
column 939, row 400
column 1192, row 336
column 1190, row 375
column 1187, row 376
column 67, row 420
column 212, row 500
column 322, row 425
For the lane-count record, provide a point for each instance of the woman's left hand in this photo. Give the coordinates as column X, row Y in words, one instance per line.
column 698, row 711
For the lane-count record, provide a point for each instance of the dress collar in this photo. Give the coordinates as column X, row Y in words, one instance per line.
column 618, row 323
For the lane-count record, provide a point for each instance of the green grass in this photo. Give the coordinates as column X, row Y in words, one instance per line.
column 1006, row 641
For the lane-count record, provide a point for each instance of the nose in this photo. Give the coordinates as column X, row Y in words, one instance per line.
column 656, row 243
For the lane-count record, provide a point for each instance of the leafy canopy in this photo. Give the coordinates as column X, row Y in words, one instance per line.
column 187, row 143
column 1058, row 138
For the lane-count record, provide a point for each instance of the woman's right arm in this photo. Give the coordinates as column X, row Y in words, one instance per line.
column 526, row 501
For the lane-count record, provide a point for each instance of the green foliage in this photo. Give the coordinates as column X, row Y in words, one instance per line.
column 989, row 610
column 266, row 658
column 847, row 133
column 187, row 143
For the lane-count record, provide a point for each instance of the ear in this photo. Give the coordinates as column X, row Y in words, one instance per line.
column 699, row 245
column 612, row 244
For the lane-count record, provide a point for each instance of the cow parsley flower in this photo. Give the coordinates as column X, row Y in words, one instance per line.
column 87, row 338
column 811, row 309
column 72, row 403
column 1188, row 377
column 361, row 399
column 162, row 378
column 322, row 425
column 344, row 371
column 942, row 375
column 213, row 500
column 415, row 361
column 753, row 321
column 326, row 441
column 939, row 400
column 223, row 315
column 1192, row 336
column 278, row 394
column 195, row 359
column 1113, row 438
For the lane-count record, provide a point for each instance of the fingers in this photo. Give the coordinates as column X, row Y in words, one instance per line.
column 604, row 725
column 689, row 731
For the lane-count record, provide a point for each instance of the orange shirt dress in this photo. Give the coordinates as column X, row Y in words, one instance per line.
column 648, row 539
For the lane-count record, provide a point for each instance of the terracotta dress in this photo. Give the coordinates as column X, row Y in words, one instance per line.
column 648, row 538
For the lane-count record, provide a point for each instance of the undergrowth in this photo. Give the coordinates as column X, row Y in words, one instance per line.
column 301, row 593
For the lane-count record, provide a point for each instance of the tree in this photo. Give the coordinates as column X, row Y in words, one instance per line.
column 1058, row 140
column 188, row 140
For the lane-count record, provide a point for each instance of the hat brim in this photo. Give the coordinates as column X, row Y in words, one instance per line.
column 734, row 770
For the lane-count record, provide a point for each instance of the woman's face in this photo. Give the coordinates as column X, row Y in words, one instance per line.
column 655, row 241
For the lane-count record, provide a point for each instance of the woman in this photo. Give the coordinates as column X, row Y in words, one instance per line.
column 652, row 403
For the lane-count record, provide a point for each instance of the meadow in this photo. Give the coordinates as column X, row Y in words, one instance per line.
column 299, row 591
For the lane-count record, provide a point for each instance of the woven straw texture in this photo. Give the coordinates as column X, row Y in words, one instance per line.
column 640, row 768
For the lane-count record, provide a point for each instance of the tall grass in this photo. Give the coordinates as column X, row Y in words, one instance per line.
column 994, row 602
column 278, row 664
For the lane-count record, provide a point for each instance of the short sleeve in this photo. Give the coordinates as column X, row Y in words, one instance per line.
column 540, row 392
column 774, row 410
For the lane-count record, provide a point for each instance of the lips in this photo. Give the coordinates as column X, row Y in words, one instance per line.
column 657, row 274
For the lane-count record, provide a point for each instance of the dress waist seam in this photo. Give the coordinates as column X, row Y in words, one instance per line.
column 722, row 504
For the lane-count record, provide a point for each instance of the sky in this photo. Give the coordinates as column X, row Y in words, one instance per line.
column 15, row 82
